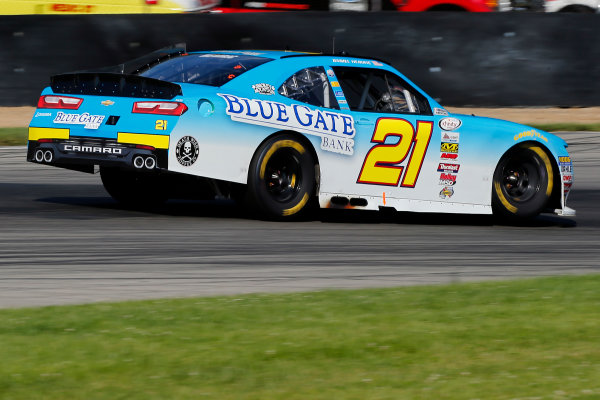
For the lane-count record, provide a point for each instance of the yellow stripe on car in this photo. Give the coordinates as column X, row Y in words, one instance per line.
column 48, row 133
column 156, row 141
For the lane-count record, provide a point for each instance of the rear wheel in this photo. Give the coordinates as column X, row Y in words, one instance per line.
column 523, row 182
column 281, row 180
column 134, row 188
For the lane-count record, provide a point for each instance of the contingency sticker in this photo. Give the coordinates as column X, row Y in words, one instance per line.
column 450, row 123
column 451, row 137
column 336, row 130
column 264, row 88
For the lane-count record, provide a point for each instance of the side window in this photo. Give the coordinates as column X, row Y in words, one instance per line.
column 376, row 90
column 311, row 86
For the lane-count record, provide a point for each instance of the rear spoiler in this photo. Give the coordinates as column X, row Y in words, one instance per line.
column 110, row 84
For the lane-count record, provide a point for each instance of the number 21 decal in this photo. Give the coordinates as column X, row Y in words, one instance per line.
column 381, row 163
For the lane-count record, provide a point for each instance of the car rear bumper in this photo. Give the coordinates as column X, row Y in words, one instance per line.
column 85, row 153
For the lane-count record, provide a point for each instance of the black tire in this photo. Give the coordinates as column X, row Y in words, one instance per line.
column 578, row 9
column 281, row 179
column 132, row 188
column 523, row 182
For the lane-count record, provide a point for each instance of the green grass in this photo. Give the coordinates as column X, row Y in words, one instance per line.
column 13, row 136
column 504, row 340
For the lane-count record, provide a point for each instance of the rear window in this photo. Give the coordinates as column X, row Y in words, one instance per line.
column 204, row 69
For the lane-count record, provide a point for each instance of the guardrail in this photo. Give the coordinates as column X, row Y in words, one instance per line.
column 495, row 59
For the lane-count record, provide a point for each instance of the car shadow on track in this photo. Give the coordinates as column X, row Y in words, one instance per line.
column 228, row 209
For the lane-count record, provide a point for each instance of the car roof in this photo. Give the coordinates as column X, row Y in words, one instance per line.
column 279, row 54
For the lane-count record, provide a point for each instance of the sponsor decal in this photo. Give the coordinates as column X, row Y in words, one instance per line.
column 450, row 123
column 377, row 63
column 92, row 149
column 446, row 192
column 227, row 56
column 440, row 111
column 338, row 93
column 445, row 167
column 449, row 147
column 187, row 150
column 335, row 84
column 451, row 137
column 566, row 188
column 330, row 73
column 264, row 88
column 337, row 145
column 107, row 102
column 566, row 168
column 447, row 182
column 89, row 121
column 567, row 178
column 297, row 116
column 342, row 102
column 530, row 134
column 448, row 177
column 43, row 114
column 448, row 156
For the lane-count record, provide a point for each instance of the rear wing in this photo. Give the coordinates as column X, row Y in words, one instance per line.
column 117, row 85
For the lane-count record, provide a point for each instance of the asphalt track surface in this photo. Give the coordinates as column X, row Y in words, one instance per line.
column 63, row 240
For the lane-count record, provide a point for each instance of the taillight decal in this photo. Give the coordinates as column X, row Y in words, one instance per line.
column 62, row 102
column 159, row 107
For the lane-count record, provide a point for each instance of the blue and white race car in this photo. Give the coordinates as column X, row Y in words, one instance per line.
column 284, row 130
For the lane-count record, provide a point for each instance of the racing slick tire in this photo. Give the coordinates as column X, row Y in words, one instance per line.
column 523, row 182
column 281, row 178
column 132, row 188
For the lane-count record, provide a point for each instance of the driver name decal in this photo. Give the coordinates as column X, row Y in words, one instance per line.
column 335, row 130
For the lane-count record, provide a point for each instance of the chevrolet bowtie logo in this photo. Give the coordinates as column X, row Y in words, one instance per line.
column 107, row 103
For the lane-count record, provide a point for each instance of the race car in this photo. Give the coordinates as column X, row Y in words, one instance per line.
column 287, row 131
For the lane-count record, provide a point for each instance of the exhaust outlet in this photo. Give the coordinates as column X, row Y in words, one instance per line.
column 150, row 163
column 48, row 156
column 39, row 156
column 138, row 162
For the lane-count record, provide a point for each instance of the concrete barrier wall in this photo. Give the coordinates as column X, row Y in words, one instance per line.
column 496, row 59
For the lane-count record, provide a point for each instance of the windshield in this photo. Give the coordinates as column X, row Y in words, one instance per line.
column 204, row 69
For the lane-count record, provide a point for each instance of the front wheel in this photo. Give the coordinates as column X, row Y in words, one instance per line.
column 281, row 179
column 523, row 182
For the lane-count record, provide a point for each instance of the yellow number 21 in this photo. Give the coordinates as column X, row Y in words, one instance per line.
column 381, row 165
column 161, row 125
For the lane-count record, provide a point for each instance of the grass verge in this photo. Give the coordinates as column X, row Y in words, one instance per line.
column 13, row 136
column 502, row 340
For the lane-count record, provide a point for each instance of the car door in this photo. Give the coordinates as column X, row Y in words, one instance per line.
column 396, row 144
